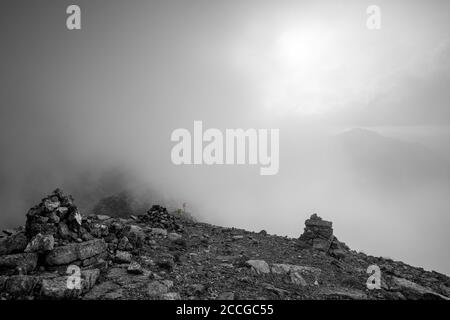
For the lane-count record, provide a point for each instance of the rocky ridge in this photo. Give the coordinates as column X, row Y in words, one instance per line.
column 61, row 254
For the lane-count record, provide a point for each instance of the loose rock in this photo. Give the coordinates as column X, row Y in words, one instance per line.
column 259, row 266
column 123, row 257
column 41, row 243
column 135, row 268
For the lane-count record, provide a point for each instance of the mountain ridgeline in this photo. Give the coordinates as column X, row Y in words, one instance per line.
column 161, row 255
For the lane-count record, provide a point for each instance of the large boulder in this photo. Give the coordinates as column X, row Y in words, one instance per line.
column 259, row 266
column 75, row 251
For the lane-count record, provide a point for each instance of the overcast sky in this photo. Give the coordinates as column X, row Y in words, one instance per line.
column 210, row 58
column 111, row 93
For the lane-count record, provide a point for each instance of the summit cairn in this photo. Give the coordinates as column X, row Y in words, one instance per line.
column 56, row 230
column 318, row 235
column 55, row 216
column 55, row 245
column 158, row 217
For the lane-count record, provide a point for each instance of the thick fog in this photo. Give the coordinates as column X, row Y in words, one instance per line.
column 363, row 114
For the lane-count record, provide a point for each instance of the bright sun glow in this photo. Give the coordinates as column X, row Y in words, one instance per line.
column 300, row 48
column 299, row 68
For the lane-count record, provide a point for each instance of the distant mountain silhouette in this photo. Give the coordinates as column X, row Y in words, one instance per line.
column 389, row 160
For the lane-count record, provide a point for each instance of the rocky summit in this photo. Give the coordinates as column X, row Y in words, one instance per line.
column 62, row 254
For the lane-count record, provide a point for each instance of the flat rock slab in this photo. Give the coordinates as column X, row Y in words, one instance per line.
column 76, row 251
column 64, row 288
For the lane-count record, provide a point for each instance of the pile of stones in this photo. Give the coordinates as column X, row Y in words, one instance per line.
column 35, row 260
column 56, row 216
column 159, row 217
column 55, row 238
column 318, row 234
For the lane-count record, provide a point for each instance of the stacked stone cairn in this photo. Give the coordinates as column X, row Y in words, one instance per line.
column 159, row 217
column 55, row 244
column 318, row 235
